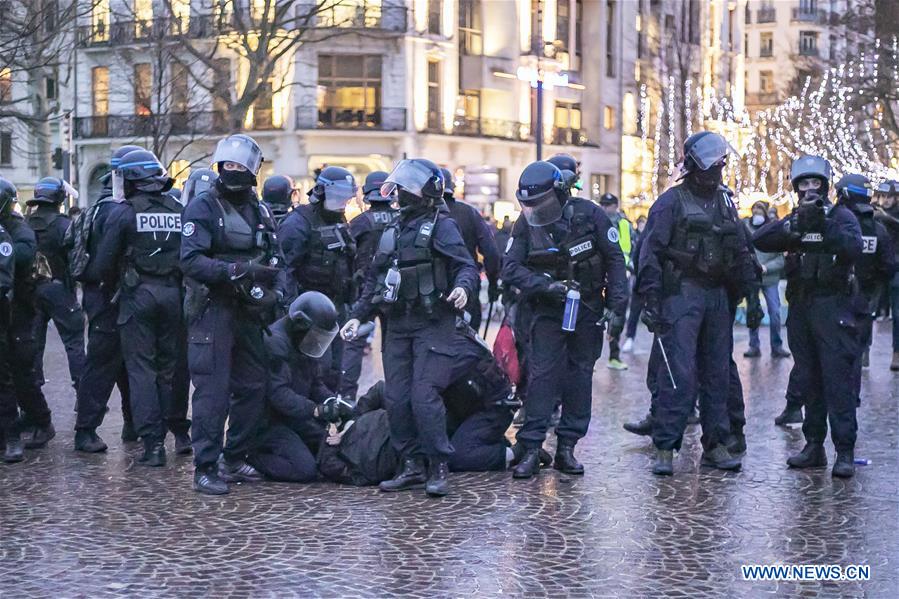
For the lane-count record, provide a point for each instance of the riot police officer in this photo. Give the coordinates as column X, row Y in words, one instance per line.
column 104, row 366
column 278, row 192
column 420, row 279
column 19, row 329
column 143, row 242
column 55, row 292
column 887, row 213
column 875, row 267
column 693, row 256
column 320, row 252
column 824, row 242
column 199, row 181
column 230, row 255
column 366, row 231
column 565, row 259
column 479, row 240
column 10, row 437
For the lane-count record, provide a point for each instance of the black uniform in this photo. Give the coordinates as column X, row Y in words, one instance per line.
column 8, row 408
column 824, row 320
column 225, row 322
column 55, row 291
column 425, row 246
column 142, row 241
column 582, row 246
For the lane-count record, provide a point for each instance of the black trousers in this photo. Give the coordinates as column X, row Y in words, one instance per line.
column 58, row 303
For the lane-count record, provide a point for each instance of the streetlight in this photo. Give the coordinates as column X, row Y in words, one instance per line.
column 540, row 80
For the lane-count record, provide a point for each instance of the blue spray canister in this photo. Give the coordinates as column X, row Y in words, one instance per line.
column 572, row 303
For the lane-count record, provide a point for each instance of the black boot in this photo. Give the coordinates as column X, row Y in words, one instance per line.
column 737, row 444
column 129, row 435
column 566, row 462
column 15, row 448
column 811, row 456
column 844, row 467
column 89, row 441
column 238, row 471
column 207, row 481
column 789, row 416
column 182, row 444
column 412, row 476
column 154, row 453
column 529, row 464
column 720, row 458
column 438, row 479
column 518, row 452
column 41, row 436
column 663, row 465
column 642, row 427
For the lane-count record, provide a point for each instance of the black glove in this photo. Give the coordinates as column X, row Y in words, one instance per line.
column 335, row 409
column 616, row 325
column 810, row 217
column 254, row 271
column 493, row 291
column 652, row 318
column 556, row 292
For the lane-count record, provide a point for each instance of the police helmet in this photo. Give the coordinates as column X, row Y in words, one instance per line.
column 48, row 190
column 371, row 190
column 278, row 191
column 449, row 186
column 416, row 176
column 541, row 193
column 9, row 195
column 312, row 323
column 608, row 199
column 335, row 186
column 140, row 164
column 811, row 166
column 854, row 187
column 565, row 162
column 704, row 150
column 120, row 153
column 199, row 181
column 240, row 149
column 889, row 187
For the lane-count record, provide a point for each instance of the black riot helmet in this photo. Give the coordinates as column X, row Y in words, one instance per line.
column 238, row 158
column 120, row 153
column 112, row 179
column 312, row 323
column 889, row 188
column 278, row 192
column 48, row 190
column 705, row 150
column 449, row 186
column 199, row 181
column 541, row 193
column 9, row 195
column 854, row 187
column 142, row 171
column 418, row 183
column 567, row 162
column 371, row 190
column 334, row 187
column 811, row 167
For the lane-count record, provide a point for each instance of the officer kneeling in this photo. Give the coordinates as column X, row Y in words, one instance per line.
column 420, row 278
column 565, row 258
column 823, row 243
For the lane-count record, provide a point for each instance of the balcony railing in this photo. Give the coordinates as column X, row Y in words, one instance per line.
column 366, row 16
column 766, row 52
column 766, row 15
column 173, row 123
column 806, row 15
column 568, row 136
column 350, row 117
column 808, row 51
column 477, row 127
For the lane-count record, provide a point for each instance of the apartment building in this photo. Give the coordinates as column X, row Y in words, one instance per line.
column 377, row 80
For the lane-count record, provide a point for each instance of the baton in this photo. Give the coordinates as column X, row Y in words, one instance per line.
column 489, row 317
column 667, row 364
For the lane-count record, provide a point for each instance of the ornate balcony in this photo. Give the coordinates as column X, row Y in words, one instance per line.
column 350, row 117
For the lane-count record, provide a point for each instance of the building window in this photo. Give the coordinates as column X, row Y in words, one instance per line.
column 143, row 85
column 100, row 90
column 5, row 85
column 608, row 117
column 6, row 148
column 610, row 39
column 567, row 120
column 51, row 88
column 808, row 7
column 578, row 29
column 471, row 40
column 143, row 18
column 50, row 15
column 732, row 29
column 434, row 109
column 537, row 27
column 639, row 28
column 100, row 21
column 766, row 44
column 563, row 21
column 179, row 88
column 349, row 88
column 766, row 82
column 599, row 184
column 469, row 104
column 808, row 43
column 435, row 13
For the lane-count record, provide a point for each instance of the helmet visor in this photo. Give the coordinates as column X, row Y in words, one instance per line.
column 240, row 151
column 337, row 193
column 118, row 186
column 540, row 210
column 410, row 175
column 317, row 340
column 710, row 150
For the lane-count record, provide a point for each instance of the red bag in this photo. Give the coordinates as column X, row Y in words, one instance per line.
column 505, row 353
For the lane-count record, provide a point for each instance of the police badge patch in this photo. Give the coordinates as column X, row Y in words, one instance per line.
column 5, row 249
column 189, row 229
column 613, row 234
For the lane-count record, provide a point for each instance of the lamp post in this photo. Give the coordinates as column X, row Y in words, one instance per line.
column 540, row 80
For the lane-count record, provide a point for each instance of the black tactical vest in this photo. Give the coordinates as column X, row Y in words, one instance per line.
column 423, row 272
column 866, row 267
column 813, row 271
column 576, row 257
column 42, row 222
column 331, row 254
column 155, row 246
column 240, row 240
column 7, row 263
column 705, row 242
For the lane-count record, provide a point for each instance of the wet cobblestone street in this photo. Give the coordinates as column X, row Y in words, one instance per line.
column 77, row 525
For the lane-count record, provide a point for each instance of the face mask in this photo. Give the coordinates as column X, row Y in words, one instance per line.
column 758, row 220
column 237, row 180
column 709, row 179
column 408, row 201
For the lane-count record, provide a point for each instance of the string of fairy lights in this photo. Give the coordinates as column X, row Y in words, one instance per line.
column 830, row 118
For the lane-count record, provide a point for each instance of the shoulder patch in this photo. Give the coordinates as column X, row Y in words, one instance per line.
column 189, row 229
column 5, row 249
column 613, row 235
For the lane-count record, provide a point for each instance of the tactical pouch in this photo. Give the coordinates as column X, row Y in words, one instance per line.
column 196, row 297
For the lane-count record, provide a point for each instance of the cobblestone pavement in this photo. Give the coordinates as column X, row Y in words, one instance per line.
column 74, row 525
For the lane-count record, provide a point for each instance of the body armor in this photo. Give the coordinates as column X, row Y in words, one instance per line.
column 154, row 249
column 378, row 220
column 813, row 271
column 867, row 266
column 330, row 258
column 241, row 242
